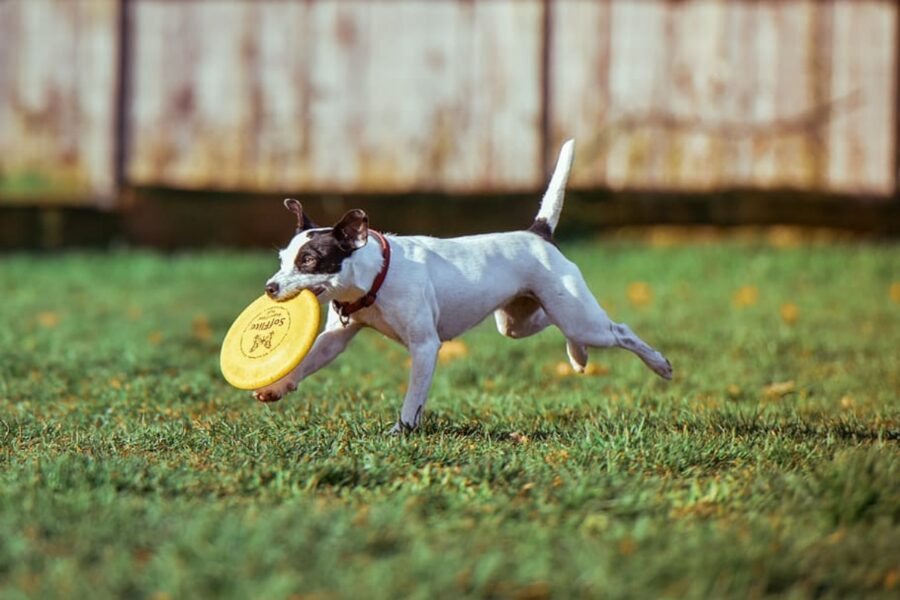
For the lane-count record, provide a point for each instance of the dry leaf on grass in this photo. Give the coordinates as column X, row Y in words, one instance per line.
column 452, row 350
column 639, row 293
column 895, row 292
column 789, row 313
column 564, row 369
column 747, row 295
column 518, row 438
column 48, row 319
column 201, row 328
column 779, row 389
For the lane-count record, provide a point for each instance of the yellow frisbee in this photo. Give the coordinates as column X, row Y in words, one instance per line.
column 268, row 340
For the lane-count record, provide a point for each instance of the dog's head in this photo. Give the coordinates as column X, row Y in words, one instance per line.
column 317, row 257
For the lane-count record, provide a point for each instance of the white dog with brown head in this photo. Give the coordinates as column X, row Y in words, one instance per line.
column 422, row 291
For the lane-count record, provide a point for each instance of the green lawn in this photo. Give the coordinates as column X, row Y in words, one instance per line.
column 769, row 466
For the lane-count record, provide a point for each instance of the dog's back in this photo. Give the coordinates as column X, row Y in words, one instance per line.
column 472, row 276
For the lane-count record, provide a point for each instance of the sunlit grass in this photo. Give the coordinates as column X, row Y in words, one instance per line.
column 770, row 465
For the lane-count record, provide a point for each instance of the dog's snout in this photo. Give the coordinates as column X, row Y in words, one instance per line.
column 272, row 289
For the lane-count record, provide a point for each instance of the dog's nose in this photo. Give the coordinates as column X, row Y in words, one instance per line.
column 272, row 289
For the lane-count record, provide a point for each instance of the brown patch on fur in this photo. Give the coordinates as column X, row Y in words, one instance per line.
column 327, row 248
column 541, row 228
column 323, row 253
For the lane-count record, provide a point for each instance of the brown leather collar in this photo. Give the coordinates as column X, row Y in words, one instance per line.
column 345, row 309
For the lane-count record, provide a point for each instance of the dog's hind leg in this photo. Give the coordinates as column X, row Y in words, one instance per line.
column 524, row 316
column 571, row 307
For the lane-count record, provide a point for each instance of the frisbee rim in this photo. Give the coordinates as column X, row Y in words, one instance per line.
column 231, row 353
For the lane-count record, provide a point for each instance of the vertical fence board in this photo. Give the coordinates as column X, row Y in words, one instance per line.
column 700, row 95
column 333, row 96
column 57, row 82
column 863, row 139
column 694, row 81
column 446, row 95
column 580, row 61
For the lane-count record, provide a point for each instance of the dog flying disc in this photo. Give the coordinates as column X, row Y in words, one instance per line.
column 268, row 340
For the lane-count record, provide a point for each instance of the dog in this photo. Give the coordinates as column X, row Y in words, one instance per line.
column 421, row 291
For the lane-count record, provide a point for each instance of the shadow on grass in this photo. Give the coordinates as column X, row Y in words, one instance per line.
column 564, row 424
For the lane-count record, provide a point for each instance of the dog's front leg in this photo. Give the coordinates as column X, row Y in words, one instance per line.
column 327, row 346
column 424, row 359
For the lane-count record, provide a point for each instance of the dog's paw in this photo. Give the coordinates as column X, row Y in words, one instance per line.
column 400, row 428
column 274, row 392
column 664, row 369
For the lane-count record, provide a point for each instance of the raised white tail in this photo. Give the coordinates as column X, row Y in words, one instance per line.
column 552, row 203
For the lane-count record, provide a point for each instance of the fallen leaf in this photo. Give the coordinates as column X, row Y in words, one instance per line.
column 201, row 328
column 627, row 546
column 539, row 590
column 639, row 293
column 789, row 313
column 596, row 369
column 48, row 319
column 595, row 523
column 556, row 457
column 895, row 292
column 518, row 437
column 564, row 369
column 747, row 295
column 452, row 350
column 361, row 518
column 779, row 389
column 837, row 536
column 785, row 237
column 891, row 578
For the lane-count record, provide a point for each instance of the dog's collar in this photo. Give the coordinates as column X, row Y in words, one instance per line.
column 345, row 309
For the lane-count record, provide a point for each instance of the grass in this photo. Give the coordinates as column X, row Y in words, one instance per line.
column 769, row 466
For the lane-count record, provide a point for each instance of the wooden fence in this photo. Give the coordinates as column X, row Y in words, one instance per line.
column 393, row 96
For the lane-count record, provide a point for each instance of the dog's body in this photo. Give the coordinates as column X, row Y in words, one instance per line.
column 436, row 289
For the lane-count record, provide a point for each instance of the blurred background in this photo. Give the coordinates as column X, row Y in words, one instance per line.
column 170, row 124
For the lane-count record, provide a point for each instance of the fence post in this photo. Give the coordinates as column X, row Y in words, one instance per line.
column 123, row 97
column 897, row 104
column 545, row 83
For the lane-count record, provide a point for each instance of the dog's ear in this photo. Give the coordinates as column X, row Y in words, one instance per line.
column 303, row 222
column 352, row 231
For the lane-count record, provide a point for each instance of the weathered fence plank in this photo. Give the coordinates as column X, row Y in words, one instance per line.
column 446, row 95
column 700, row 95
column 862, row 140
column 331, row 96
column 57, row 81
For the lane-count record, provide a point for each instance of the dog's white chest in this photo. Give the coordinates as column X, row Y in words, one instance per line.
column 372, row 317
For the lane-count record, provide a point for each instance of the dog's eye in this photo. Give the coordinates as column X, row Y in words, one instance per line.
column 308, row 260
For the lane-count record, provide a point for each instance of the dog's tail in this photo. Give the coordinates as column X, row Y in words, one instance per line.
column 552, row 203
